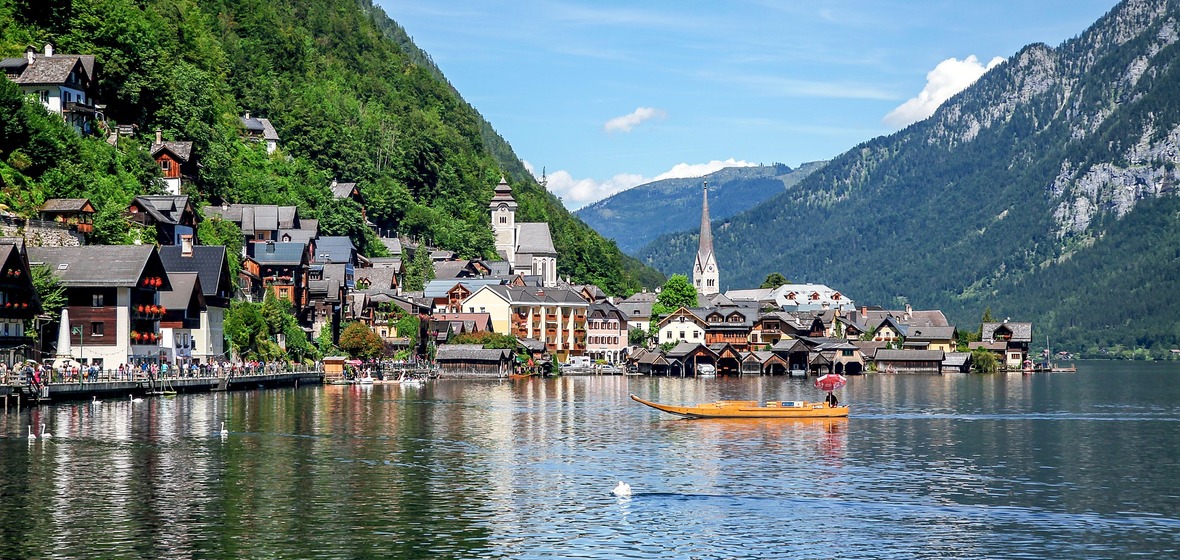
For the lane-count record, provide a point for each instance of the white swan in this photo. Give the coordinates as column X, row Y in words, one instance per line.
column 44, row 434
column 224, row 432
column 31, row 436
column 132, row 399
column 622, row 490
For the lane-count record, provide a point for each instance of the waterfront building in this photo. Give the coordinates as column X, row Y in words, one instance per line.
column 112, row 299
column 554, row 316
column 18, row 301
column 1009, row 340
column 682, row 325
column 606, row 332
column 211, row 265
column 184, row 305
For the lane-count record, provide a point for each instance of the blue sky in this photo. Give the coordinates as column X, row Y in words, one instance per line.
column 605, row 95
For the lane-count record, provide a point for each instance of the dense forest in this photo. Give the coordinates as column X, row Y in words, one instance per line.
column 351, row 98
column 1046, row 191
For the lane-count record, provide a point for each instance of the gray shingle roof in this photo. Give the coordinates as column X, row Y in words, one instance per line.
column 334, row 249
column 163, row 209
column 182, row 150
column 208, row 261
column 182, row 293
column 1021, row 332
column 65, row 205
column 100, row 265
column 930, row 333
column 277, row 253
column 50, row 69
column 342, row 190
column 375, row 278
column 470, row 353
column 534, row 238
column 909, row 355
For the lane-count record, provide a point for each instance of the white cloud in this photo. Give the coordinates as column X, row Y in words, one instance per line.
column 633, row 119
column 684, row 170
column 948, row 78
column 576, row 193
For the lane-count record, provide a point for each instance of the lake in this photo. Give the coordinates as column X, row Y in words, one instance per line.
column 1065, row 465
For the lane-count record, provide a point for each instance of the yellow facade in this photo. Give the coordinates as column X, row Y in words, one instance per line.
column 488, row 301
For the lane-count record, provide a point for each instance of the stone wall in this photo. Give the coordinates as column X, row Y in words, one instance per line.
column 39, row 233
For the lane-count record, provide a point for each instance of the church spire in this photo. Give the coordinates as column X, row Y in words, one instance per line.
column 704, row 270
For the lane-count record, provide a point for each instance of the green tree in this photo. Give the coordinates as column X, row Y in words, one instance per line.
column 774, row 280
column 245, row 327
column 419, row 269
column 677, row 292
column 984, row 361
column 486, row 339
column 637, row 337
column 359, row 341
column 51, row 293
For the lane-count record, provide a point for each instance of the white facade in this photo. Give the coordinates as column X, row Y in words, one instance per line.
column 810, row 297
column 681, row 329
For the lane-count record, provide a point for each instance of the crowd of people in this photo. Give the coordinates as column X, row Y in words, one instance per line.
column 35, row 374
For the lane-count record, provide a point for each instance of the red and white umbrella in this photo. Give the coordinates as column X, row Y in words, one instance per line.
column 830, row 382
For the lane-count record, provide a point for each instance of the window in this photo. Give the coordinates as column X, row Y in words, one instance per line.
column 503, row 219
column 96, row 328
column 682, row 335
column 696, row 335
column 165, row 165
column 846, row 352
column 96, row 300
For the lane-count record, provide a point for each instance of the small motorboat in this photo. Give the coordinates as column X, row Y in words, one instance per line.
column 751, row 409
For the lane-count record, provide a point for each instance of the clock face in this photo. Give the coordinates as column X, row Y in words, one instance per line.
column 710, row 268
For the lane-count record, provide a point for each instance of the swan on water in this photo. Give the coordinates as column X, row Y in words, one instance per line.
column 132, row 398
column 224, row 432
column 31, row 436
column 44, row 434
column 622, row 490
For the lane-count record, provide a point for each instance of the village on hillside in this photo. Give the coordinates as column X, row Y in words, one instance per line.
column 164, row 300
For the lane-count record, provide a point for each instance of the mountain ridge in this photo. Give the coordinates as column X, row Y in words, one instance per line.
column 634, row 217
column 1004, row 198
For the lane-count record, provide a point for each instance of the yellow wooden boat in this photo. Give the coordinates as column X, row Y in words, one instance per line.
column 751, row 409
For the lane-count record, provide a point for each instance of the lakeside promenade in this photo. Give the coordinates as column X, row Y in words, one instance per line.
column 19, row 390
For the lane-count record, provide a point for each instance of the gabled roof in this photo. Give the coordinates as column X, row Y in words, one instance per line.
column 254, row 217
column 471, row 353
column 63, row 205
column 163, row 209
column 1021, row 332
column 49, row 70
column 186, row 286
column 393, row 245
column 382, row 278
column 441, row 287
column 688, row 314
column 342, row 190
column 208, row 261
column 101, row 265
column 182, row 150
column 930, row 333
column 686, row 348
column 259, row 126
column 533, row 238
column 884, row 355
column 334, row 249
column 271, row 253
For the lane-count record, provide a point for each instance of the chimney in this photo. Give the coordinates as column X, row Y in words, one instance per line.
column 159, row 136
column 270, row 246
column 29, row 54
column 909, row 311
column 186, row 245
column 247, row 115
column 48, row 49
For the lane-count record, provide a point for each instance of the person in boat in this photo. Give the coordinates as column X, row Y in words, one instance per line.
column 832, row 401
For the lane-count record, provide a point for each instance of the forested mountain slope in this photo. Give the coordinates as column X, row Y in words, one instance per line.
column 347, row 94
column 1047, row 191
column 637, row 215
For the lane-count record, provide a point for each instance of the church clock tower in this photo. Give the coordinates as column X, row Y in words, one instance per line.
column 705, row 276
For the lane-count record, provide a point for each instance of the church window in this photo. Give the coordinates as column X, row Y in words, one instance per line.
column 503, row 219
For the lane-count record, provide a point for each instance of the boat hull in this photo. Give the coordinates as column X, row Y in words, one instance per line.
column 751, row 409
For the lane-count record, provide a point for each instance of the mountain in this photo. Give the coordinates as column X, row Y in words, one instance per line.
column 638, row 215
column 349, row 94
column 1046, row 191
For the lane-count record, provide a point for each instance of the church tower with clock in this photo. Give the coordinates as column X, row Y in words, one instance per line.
column 705, row 277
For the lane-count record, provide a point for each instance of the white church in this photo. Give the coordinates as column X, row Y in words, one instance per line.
column 527, row 246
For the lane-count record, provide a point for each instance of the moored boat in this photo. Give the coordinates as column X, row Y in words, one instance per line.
column 751, row 409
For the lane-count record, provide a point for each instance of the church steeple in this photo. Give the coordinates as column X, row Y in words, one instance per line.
column 704, row 270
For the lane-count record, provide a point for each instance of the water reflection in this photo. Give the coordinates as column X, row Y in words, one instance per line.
column 937, row 467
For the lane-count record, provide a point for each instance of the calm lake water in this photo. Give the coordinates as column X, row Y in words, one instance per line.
column 1083, row 465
